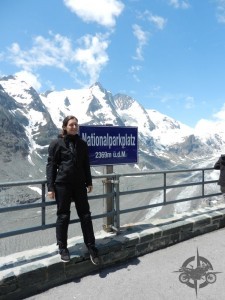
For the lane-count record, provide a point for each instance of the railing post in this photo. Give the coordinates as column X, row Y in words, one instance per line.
column 117, row 202
column 108, row 221
column 164, row 188
column 43, row 204
column 203, row 183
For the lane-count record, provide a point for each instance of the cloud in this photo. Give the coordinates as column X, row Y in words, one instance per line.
column 205, row 126
column 220, row 115
column 29, row 78
column 92, row 56
column 184, row 4
column 134, row 70
column 189, row 102
column 215, row 124
column 142, row 37
column 181, row 100
column 86, row 60
column 103, row 12
column 157, row 21
column 44, row 52
column 209, row 127
column 220, row 8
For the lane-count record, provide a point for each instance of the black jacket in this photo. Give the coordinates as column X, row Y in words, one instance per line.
column 220, row 165
column 68, row 162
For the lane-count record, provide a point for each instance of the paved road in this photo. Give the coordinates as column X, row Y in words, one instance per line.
column 152, row 276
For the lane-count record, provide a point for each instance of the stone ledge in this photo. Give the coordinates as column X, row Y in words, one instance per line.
column 27, row 273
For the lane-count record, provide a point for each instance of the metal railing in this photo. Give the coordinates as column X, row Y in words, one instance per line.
column 113, row 181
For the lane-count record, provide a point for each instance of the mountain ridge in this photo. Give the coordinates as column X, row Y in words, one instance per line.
column 36, row 118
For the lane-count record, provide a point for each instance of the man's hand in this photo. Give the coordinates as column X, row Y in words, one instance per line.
column 89, row 188
column 51, row 195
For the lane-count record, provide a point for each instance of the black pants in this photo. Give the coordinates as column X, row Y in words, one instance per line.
column 65, row 194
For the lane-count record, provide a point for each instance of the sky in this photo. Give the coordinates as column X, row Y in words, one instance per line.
column 169, row 55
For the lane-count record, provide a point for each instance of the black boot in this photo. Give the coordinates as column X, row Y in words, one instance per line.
column 65, row 255
column 93, row 252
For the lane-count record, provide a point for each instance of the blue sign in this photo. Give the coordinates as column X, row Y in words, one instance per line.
column 111, row 145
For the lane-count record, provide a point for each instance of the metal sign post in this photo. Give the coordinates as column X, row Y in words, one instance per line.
column 108, row 221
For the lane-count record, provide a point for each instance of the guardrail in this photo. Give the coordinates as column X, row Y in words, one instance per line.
column 113, row 196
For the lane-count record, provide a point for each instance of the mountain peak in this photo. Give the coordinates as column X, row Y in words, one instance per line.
column 6, row 78
column 97, row 84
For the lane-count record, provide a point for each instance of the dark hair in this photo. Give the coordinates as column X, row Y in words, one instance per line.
column 65, row 122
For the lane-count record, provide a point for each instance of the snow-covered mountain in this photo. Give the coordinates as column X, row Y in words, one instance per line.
column 30, row 120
